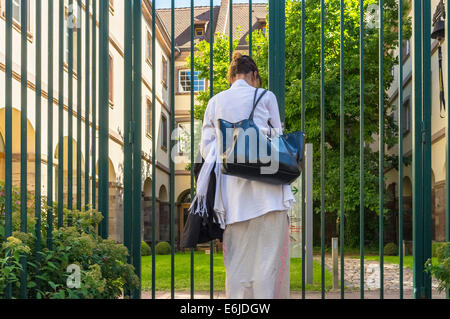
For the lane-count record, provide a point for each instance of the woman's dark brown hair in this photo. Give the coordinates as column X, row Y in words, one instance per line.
column 242, row 64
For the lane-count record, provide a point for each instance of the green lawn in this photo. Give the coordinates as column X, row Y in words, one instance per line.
column 202, row 273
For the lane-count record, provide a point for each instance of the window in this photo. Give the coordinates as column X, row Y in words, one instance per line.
column 164, row 132
column 183, row 140
column 74, row 43
column 199, row 31
column 185, row 81
column 164, row 71
column 148, row 48
column 406, row 48
column 111, row 80
column 148, row 118
column 406, row 116
column 17, row 12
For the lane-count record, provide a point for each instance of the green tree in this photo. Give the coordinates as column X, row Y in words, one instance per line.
column 332, row 94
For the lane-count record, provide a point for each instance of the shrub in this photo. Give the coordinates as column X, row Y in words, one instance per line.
column 391, row 249
column 162, row 248
column 104, row 271
column 441, row 269
column 145, row 249
column 435, row 246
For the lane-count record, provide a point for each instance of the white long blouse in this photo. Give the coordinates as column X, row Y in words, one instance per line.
column 242, row 199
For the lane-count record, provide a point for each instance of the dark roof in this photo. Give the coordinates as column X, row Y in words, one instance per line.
column 221, row 21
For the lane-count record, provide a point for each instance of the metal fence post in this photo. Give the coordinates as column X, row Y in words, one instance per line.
column 277, row 52
column 103, row 149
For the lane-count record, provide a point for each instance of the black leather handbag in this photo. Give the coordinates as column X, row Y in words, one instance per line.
column 246, row 152
column 202, row 229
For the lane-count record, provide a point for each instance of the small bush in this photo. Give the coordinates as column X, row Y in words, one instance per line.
column 440, row 269
column 391, row 249
column 435, row 247
column 162, row 248
column 145, row 249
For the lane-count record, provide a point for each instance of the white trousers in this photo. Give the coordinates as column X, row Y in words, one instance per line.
column 256, row 257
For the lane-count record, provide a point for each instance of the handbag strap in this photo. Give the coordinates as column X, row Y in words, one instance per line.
column 256, row 101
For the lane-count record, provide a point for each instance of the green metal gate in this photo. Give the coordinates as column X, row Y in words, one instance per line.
column 97, row 12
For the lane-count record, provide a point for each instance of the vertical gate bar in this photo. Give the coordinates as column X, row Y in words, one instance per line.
column 400, row 145
column 303, row 101
column 211, row 94
column 79, row 82
column 171, row 153
column 8, row 128
column 230, row 15
column 94, row 104
column 38, row 106
column 103, row 115
column 87, row 104
column 426, row 143
column 277, row 52
column 50, row 128
column 322, row 144
column 341, row 144
column 70, row 25
column 417, row 163
column 361, row 147
column 61, row 114
column 250, row 28
column 192, row 131
column 381, row 150
column 137, row 145
column 23, row 137
column 447, row 162
column 128, row 134
column 153, row 147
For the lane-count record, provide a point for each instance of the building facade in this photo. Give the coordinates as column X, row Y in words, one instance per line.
column 438, row 141
column 116, row 103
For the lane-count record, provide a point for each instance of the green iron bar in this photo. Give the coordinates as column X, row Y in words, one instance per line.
column 153, row 148
column 381, row 150
column 211, row 94
column 230, row 14
column 277, row 53
column 250, row 29
column 8, row 128
column 341, row 145
column 361, row 147
column 50, row 129
column 23, row 138
column 94, row 104
column 417, row 150
column 303, row 101
column 400, row 145
column 38, row 105
column 447, row 163
column 70, row 25
column 103, row 112
column 192, row 128
column 61, row 114
column 426, row 143
column 137, row 145
column 322, row 144
column 87, row 31
column 79, row 81
column 128, row 134
column 171, row 153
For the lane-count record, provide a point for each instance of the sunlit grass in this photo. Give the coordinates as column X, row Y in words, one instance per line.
column 182, row 274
